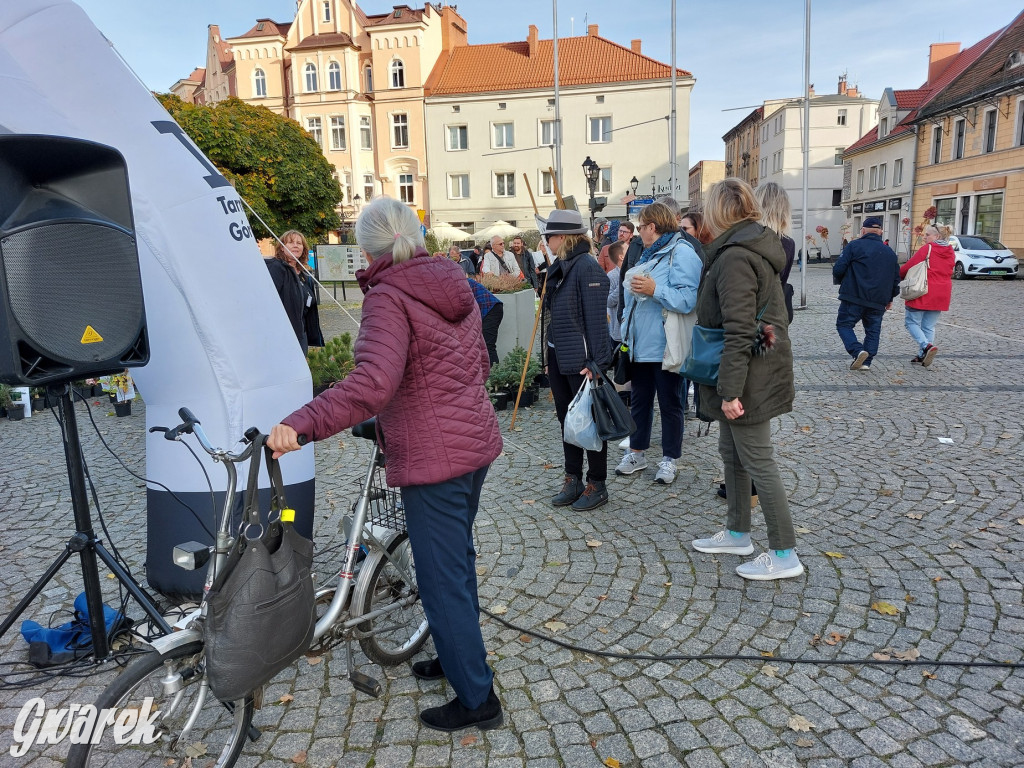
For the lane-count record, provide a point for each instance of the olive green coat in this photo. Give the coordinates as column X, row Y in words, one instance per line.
column 740, row 277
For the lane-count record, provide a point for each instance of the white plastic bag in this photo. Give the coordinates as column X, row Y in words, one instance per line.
column 579, row 428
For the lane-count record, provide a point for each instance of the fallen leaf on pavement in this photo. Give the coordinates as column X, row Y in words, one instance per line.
column 910, row 598
column 881, row 656
column 886, row 609
column 800, row 723
column 468, row 741
column 287, row 698
column 937, row 578
column 299, row 757
column 836, row 555
column 314, row 660
column 927, row 674
column 801, row 529
column 602, row 597
column 481, row 570
column 556, row 626
column 499, row 610
column 549, row 466
column 769, row 671
column 525, row 638
column 603, row 630
column 885, row 492
column 593, row 543
column 1006, row 436
column 834, row 638
column 611, row 762
column 768, row 654
column 915, row 515
column 909, row 655
column 668, row 583
column 804, row 743
column 529, row 501
column 814, row 640
column 955, row 545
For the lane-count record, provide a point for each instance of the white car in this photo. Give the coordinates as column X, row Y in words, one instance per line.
column 977, row 255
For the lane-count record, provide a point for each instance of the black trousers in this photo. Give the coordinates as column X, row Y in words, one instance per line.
column 490, row 327
column 563, row 389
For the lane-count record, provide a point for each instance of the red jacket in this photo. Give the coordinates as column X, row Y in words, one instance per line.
column 940, row 276
column 420, row 368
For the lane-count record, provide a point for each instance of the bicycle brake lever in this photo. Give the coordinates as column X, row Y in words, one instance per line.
column 158, row 429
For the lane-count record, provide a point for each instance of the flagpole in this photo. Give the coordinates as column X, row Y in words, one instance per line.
column 672, row 121
column 558, row 114
column 807, row 152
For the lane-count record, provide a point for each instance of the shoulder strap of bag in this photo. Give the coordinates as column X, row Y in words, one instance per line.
column 251, row 506
column 278, row 503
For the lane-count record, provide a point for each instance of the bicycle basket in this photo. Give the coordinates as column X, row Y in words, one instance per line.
column 386, row 509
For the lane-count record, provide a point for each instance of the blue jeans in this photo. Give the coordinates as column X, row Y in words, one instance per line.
column 648, row 379
column 440, row 522
column 921, row 326
column 849, row 315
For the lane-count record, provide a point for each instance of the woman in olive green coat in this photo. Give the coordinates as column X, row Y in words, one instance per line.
column 755, row 382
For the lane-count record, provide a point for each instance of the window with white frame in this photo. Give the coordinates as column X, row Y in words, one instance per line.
column 311, row 84
column 937, row 145
column 988, row 215
column 334, row 76
column 504, row 184
column 883, row 127
column 989, row 138
column 547, row 132
column 897, row 172
column 458, row 186
column 873, row 178
column 604, row 181
column 337, row 133
column 860, row 180
column 959, row 138
column 397, row 74
column 365, row 133
column 315, row 128
column 458, row 137
column 764, row 132
column 600, row 129
column 368, row 187
column 405, row 188
column 841, row 117
column 883, row 172
column 547, row 183
column 259, row 82
column 945, row 211
column 327, row 10
column 504, row 135
column 399, row 130
column 764, row 167
column 838, row 159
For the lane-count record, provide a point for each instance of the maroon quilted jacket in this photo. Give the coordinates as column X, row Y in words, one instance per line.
column 420, row 368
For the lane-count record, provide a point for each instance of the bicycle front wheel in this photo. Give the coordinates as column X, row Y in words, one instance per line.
column 176, row 684
column 396, row 635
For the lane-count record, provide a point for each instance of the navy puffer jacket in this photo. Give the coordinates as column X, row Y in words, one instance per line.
column 576, row 308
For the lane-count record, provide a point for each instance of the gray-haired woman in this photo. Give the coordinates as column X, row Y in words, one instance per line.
column 420, row 368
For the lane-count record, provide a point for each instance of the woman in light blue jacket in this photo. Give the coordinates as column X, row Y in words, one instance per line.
column 666, row 278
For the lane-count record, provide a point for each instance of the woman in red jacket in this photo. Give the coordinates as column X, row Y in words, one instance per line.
column 923, row 313
column 420, row 369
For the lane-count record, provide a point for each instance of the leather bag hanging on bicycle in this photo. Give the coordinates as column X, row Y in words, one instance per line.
column 260, row 608
column 611, row 415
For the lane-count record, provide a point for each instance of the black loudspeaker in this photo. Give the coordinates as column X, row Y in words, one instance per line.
column 71, row 301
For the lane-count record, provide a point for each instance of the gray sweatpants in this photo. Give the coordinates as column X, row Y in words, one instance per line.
column 747, row 454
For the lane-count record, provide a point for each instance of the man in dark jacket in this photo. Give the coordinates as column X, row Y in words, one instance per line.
column 868, row 276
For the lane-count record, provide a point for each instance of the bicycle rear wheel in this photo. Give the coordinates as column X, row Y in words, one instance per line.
column 215, row 739
column 397, row 635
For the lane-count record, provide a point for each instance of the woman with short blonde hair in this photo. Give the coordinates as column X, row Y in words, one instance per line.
column 922, row 313
column 740, row 293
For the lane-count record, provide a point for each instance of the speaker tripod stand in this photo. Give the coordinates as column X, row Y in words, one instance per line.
column 85, row 543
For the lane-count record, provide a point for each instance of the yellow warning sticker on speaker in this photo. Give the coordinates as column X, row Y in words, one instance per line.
column 90, row 336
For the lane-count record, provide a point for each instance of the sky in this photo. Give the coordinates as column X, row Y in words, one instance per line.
column 741, row 52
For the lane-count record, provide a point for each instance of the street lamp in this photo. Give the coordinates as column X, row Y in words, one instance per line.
column 633, row 184
column 590, row 172
column 653, row 180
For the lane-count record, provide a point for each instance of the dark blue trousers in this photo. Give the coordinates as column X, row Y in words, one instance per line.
column 849, row 315
column 440, row 522
column 649, row 379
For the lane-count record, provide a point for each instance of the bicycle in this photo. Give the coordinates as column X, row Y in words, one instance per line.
column 375, row 600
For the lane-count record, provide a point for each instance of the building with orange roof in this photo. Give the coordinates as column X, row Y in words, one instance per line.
column 879, row 168
column 490, row 119
column 354, row 81
column 970, row 145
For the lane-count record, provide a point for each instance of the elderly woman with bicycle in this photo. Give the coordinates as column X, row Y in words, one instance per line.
column 420, row 368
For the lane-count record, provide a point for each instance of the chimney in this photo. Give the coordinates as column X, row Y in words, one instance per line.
column 592, row 30
column 531, row 39
column 635, row 45
column 940, row 56
column 853, row 93
column 842, row 84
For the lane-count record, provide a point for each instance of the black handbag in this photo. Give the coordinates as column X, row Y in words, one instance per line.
column 260, row 610
column 622, row 368
column 611, row 415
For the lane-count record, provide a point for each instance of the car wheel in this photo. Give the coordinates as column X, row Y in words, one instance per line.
column 958, row 271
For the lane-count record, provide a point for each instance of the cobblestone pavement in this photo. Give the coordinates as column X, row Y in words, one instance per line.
column 886, row 513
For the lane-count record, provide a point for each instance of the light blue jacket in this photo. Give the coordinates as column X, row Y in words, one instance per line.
column 676, row 272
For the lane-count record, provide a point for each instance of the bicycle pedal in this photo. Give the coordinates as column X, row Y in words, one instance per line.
column 364, row 684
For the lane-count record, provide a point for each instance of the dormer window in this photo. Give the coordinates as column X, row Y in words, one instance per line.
column 327, row 10
column 1015, row 60
column 398, row 13
column 259, row 27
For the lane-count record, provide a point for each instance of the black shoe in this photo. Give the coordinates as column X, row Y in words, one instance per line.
column 453, row 716
column 572, row 489
column 917, row 360
column 428, row 670
column 593, row 496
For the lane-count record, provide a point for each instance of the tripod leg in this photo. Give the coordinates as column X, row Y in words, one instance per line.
column 34, row 592
column 134, row 589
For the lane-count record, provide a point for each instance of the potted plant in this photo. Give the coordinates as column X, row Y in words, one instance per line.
column 497, row 386
column 5, row 399
column 37, row 399
column 513, row 365
column 15, row 407
column 330, row 363
column 124, row 392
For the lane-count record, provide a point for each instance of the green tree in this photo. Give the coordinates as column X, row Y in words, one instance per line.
column 272, row 162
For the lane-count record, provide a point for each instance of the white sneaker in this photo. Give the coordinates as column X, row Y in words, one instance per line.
column 666, row 471
column 725, row 543
column 768, row 566
column 631, row 463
